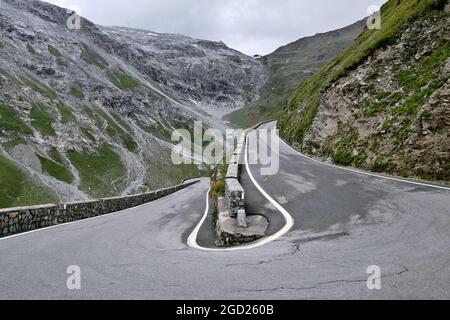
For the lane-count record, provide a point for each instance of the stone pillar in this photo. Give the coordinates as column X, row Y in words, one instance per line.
column 242, row 218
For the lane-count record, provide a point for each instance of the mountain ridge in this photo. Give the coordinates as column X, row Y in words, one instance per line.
column 290, row 65
column 90, row 113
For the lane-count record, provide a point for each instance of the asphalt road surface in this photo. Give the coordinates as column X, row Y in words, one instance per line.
column 344, row 223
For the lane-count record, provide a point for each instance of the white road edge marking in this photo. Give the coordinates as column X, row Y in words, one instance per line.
column 192, row 239
column 362, row 172
column 354, row 170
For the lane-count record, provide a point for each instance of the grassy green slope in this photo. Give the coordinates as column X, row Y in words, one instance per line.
column 298, row 115
column 11, row 122
column 102, row 174
column 56, row 170
column 18, row 189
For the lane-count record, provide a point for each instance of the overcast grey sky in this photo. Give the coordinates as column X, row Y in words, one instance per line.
column 250, row 26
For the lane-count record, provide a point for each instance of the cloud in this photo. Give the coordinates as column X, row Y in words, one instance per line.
column 251, row 26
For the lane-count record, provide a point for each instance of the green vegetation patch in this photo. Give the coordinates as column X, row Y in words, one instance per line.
column 164, row 130
column 56, row 155
column 66, row 113
column 162, row 173
column 249, row 116
column 343, row 156
column 373, row 74
column 113, row 129
column 39, row 87
column 10, row 77
column 161, row 130
column 102, row 174
column 31, row 49
column 218, row 187
column 93, row 115
column 122, row 80
column 420, row 75
column 55, row 170
column 88, row 134
column 344, row 149
column 18, row 189
column 384, row 100
column 42, row 120
column 13, row 143
column 217, row 190
column 380, row 164
column 92, row 57
column 176, row 173
column 60, row 61
column 11, row 122
column 297, row 118
column 53, row 51
column 5, row 73
column 118, row 118
column 77, row 93
column 420, row 81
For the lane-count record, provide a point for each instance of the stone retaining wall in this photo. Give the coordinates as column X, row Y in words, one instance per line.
column 17, row 220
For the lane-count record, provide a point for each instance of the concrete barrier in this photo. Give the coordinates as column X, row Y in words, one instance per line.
column 234, row 196
column 22, row 219
column 234, row 159
column 233, row 171
column 233, row 225
column 234, row 192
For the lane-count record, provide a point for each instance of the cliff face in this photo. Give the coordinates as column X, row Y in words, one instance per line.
column 90, row 112
column 390, row 112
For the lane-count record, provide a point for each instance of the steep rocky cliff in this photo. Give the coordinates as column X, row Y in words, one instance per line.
column 90, row 112
column 384, row 104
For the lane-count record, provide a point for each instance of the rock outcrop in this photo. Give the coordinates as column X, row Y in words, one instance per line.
column 390, row 112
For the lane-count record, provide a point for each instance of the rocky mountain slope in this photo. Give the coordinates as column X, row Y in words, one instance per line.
column 384, row 104
column 291, row 65
column 89, row 112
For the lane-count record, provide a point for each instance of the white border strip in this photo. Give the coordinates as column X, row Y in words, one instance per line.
column 192, row 239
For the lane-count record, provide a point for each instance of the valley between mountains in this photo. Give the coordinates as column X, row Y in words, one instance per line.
column 363, row 148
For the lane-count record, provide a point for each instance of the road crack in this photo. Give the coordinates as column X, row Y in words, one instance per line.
column 321, row 284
